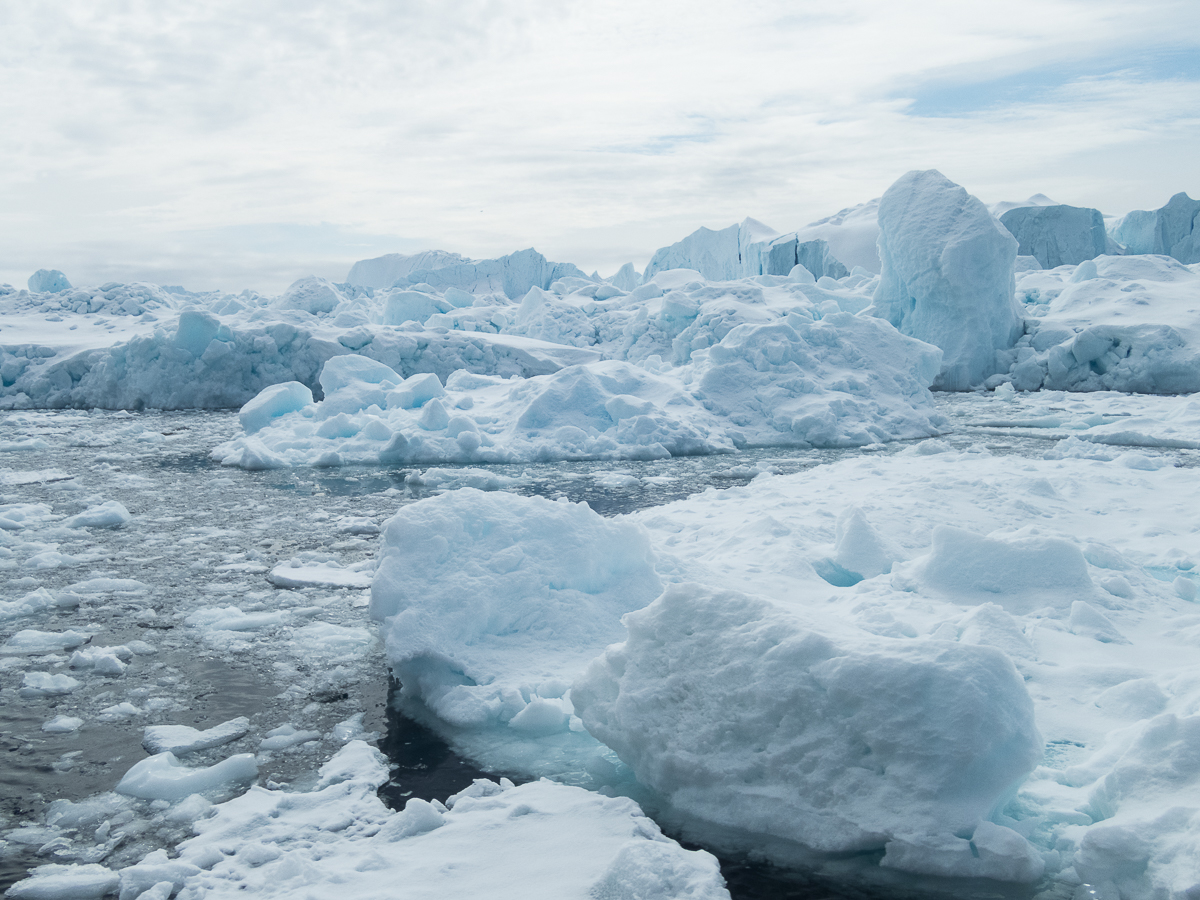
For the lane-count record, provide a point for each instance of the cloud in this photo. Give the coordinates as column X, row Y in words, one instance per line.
column 595, row 132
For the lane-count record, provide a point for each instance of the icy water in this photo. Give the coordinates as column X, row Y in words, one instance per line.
column 203, row 539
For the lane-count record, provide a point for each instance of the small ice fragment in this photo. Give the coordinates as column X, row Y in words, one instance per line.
column 164, row 777
column 61, row 725
column 181, row 739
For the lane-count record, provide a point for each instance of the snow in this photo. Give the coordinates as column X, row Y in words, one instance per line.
column 491, row 839
column 947, row 275
column 1124, row 323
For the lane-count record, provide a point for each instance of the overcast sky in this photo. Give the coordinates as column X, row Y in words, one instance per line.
column 221, row 144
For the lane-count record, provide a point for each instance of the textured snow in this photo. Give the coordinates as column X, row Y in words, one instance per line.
column 489, row 840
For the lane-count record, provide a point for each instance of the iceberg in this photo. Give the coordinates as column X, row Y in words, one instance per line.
column 1058, row 235
column 1172, row 230
column 947, row 276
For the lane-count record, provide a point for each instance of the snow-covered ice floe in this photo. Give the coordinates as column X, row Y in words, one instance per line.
column 968, row 665
column 492, row 839
column 840, row 381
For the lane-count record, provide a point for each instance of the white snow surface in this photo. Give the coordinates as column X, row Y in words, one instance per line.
column 489, row 840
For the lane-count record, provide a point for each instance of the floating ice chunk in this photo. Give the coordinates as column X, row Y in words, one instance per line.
column 31, row 604
column 294, row 574
column 43, row 684
column 102, row 660
column 49, row 281
column 31, row 641
column 230, row 618
column 1020, row 574
column 71, row 882
column 357, row 525
column 272, row 402
column 62, row 725
column 183, row 739
column 483, row 593
column 108, row 586
column 156, row 876
column 110, row 514
column 164, row 777
column 856, row 744
column 286, row 736
column 947, row 275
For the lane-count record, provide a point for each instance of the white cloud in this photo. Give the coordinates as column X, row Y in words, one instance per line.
column 595, row 132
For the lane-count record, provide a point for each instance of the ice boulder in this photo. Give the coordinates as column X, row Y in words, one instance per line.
column 48, row 281
column 164, row 777
column 947, row 275
column 272, row 402
column 492, row 602
column 1057, row 235
column 312, row 295
column 1019, row 573
column 743, row 716
column 196, row 330
column 89, row 881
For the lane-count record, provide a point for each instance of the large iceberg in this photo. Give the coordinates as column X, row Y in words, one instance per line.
column 947, row 275
column 1058, row 235
column 1173, row 230
column 384, row 271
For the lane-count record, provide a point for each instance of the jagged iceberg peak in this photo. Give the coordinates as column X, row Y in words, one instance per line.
column 1058, row 235
column 948, row 275
column 383, row 271
column 743, row 251
column 1172, row 230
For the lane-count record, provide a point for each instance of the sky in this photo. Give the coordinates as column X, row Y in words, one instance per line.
column 230, row 145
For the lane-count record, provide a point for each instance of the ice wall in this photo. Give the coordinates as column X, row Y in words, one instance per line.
column 511, row 275
column 1172, row 230
column 947, row 275
column 1057, row 235
column 384, row 271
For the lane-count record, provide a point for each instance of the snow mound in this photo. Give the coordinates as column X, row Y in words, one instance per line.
column 947, row 275
column 939, row 733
